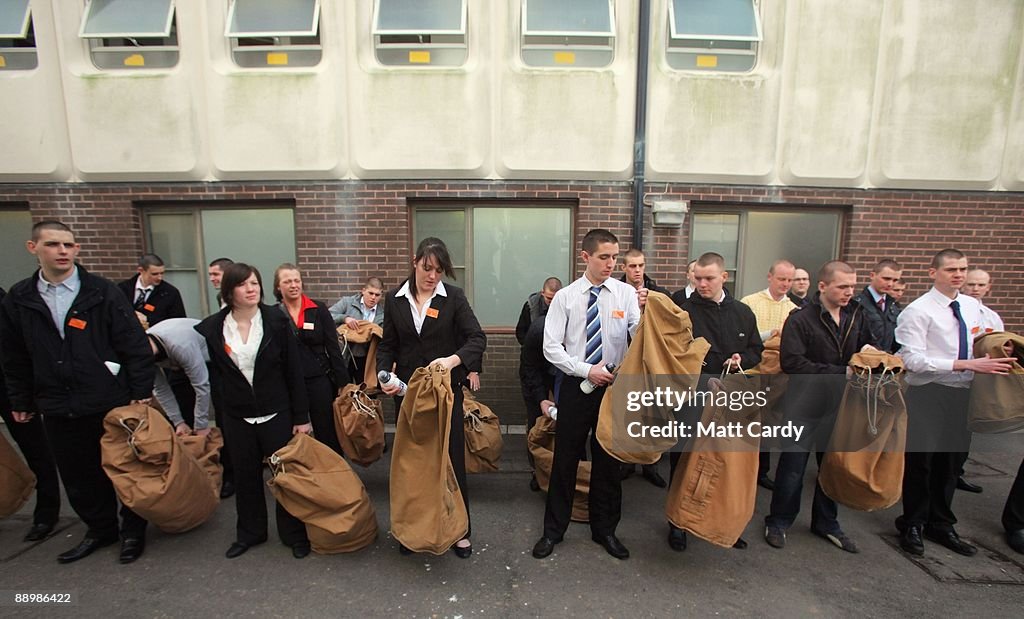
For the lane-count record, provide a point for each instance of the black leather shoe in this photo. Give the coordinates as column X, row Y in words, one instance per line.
column 534, row 485
column 741, row 544
column 301, row 550
column 463, row 552
column 626, row 471
column 39, row 531
column 131, row 549
column 85, row 548
column 765, row 482
column 227, row 489
column 651, row 475
column 910, row 540
column 676, row 539
column 951, row 540
column 543, row 547
column 612, row 546
column 403, row 550
column 236, row 550
column 1016, row 540
column 963, row 484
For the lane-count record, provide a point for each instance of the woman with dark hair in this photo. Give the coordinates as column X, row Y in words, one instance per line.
column 257, row 382
column 322, row 362
column 427, row 322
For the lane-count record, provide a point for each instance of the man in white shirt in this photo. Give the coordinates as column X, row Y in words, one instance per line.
column 935, row 333
column 587, row 327
column 978, row 284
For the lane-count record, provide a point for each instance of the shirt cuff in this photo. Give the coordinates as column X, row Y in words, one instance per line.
column 583, row 369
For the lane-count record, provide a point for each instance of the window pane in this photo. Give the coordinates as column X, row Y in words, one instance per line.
column 547, row 16
column 14, row 18
column 173, row 238
column 514, row 251
column 127, row 18
column 15, row 262
column 716, row 232
column 188, row 282
column 808, row 240
column 253, row 18
column 420, row 16
column 264, row 238
column 715, row 19
column 449, row 226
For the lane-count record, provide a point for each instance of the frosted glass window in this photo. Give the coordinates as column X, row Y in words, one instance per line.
column 713, row 35
column 264, row 238
column 420, row 32
column 14, row 19
column 15, row 262
column 514, row 251
column 717, row 233
column 263, row 18
column 450, row 227
column 421, row 16
column 127, row 18
column 568, row 33
column 173, row 238
column 806, row 239
column 567, row 17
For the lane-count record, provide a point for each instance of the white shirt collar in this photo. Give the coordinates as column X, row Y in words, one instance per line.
column 767, row 292
column 72, row 282
column 875, row 294
column 942, row 299
column 404, row 291
column 139, row 286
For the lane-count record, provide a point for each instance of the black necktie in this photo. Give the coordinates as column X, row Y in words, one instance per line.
column 140, row 301
column 955, row 306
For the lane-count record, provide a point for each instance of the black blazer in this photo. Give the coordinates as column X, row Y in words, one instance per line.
column 453, row 331
column 165, row 301
column 278, row 384
column 320, row 352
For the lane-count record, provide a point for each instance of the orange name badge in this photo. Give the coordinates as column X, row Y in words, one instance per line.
column 989, row 329
column 431, row 312
column 227, row 348
column 77, row 323
column 148, row 307
column 975, row 330
column 618, row 314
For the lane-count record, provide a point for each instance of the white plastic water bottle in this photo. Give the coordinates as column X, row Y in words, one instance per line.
column 387, row 379
column 553, row 412
column 588, row 387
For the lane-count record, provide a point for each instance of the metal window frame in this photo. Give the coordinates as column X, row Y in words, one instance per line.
column 758, row 37
column 685, row 49
column 165, row 33
column 312, row 32
column 377, row 30
column 566, row 49
column 451, row 44
column 26, row 21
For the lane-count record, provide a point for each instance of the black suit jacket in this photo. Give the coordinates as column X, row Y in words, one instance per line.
column 163, row 303
column 454, row 330
column 278, row 384
column 320, row 352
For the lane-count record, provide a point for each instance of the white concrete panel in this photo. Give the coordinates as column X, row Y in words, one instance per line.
column 419, row 121
column 281, row 122
column 949, row 68
column 32, row 126
column 1013, row 158
column 138, row 124
column 714, row 127
column 828, row 90
column 565, row 122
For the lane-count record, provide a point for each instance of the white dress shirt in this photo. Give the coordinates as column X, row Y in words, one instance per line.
column 419, row 316
column 148, row 290
column 565, row 329
column 929, row 335
column 244, row 353
column 59, row 297
column 990, row 320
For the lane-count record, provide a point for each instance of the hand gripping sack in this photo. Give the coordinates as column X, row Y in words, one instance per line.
column 773, row 381
column 427, row 510
column 541, row 443
column 319, row 488
column 368, row 333
column 997, row 400
column 17, row 481
column 663, row 354
column 863, row 468
column 713, row 492
column 152, row 471
column 359, row 422
column 483, row 435
column 206, row 451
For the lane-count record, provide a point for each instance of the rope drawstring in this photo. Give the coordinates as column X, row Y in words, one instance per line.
column 874, row 393
column 475, row 421
column 362, row 407
column 131, row 433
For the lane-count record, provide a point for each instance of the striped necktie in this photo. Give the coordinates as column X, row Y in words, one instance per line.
column 594, row 352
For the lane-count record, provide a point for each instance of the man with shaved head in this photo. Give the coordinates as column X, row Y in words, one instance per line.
column 798, row 294
column 978, row 284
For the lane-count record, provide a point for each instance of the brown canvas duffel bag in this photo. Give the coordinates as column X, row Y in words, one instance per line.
column 863, row 468
column 368, row 333
column 483, row 435
column 319, row 488
column 541, row 442
column 17, row 481
column 359, row 422
column 997, row 401
column 206, row 451
column 427, row 510
column 152, row 471
column 773, row 381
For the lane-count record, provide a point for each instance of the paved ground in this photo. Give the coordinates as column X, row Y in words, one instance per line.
column 187, row 574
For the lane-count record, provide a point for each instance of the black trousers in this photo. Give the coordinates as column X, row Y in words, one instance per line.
column 1013, row 513
column 76, row 449
column 249, row 445
column 937, row 437
column 577, row 418
column 31, row 439
column 321, row 411
column 456, row 448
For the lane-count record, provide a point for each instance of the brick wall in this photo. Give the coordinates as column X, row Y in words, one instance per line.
column 347, row 231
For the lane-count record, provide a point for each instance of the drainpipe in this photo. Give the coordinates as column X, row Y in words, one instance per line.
column 640, row 125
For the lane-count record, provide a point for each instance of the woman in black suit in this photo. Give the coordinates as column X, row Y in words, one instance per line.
column 322, row 362
column 257, row 382
column 428, row 322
